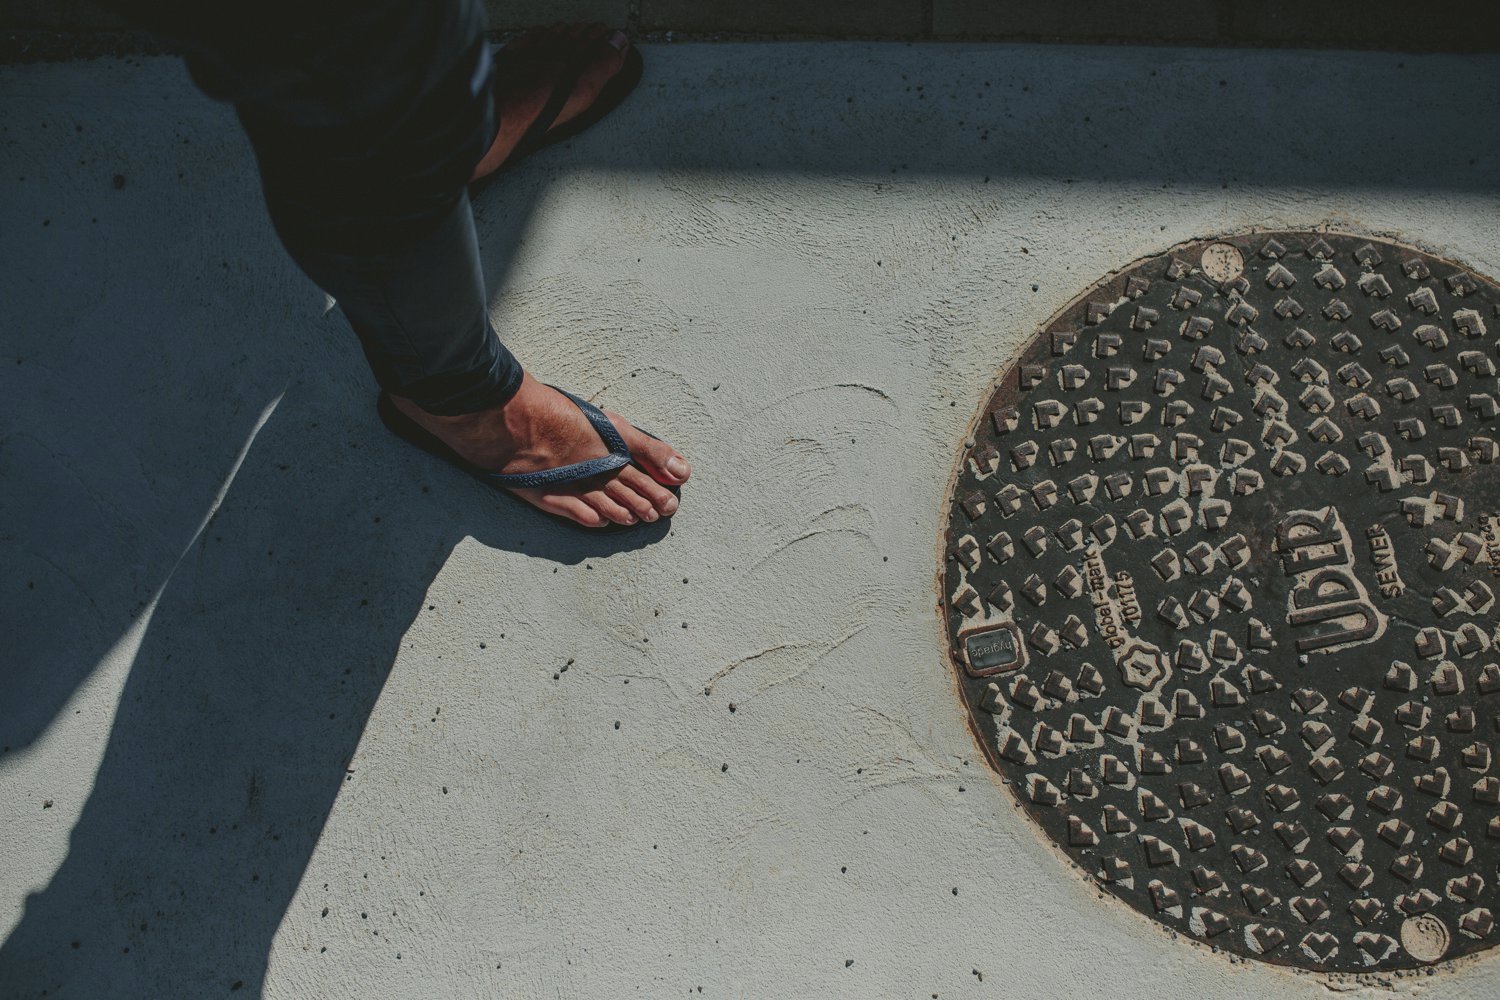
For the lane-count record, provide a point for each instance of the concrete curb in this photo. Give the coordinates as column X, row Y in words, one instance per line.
column 1465, row 26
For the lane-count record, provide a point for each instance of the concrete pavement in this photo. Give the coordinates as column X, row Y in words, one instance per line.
column 289, row 709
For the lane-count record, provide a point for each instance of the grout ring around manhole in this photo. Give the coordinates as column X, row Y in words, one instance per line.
column 1222, row 562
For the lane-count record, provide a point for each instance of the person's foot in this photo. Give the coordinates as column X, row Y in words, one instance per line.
column 539, row 428
column 530, row 68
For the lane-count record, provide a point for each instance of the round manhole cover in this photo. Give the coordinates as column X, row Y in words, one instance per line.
column 1222, row 578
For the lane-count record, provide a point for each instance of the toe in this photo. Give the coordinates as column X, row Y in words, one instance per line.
column 626, row 496
column 660, row 459
column 614, row 60
column 609, row 507
column 574, row 509
column 662, row 500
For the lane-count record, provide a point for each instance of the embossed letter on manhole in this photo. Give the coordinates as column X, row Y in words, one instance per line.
column 1223, row 559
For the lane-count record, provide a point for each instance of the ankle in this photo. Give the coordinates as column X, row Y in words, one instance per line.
column 498, row 429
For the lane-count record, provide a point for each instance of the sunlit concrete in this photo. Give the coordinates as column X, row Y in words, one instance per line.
column 290, row 709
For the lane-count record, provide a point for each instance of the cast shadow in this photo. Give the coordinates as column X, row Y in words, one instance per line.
column 1175, row 117
column 271, row 623
column 245, row 703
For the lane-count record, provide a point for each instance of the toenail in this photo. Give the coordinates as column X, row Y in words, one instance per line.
column 619, row 40
column 677, row 467
column 650, row 515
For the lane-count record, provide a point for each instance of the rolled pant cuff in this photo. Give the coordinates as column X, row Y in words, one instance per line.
column 492, row 391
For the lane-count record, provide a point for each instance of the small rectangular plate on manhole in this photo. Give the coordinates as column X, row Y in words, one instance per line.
column 994, row 649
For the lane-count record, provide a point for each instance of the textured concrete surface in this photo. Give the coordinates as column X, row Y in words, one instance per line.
column 288, row 709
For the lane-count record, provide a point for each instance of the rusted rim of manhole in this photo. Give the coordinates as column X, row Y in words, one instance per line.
column 1221, row 580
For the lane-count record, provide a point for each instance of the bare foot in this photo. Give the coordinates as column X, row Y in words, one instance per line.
column 536, row 60
column 539, row 428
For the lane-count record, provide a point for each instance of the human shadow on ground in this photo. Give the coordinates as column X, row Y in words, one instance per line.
column 273, row 621
column 280, row 620
column 245, row 703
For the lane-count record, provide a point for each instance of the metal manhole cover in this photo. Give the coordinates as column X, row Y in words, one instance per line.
column 1222, row 578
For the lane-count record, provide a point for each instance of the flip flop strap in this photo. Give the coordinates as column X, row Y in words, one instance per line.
column 562, row 89
column 618, row 457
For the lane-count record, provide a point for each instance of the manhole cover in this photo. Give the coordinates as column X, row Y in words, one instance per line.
column 1222, row 578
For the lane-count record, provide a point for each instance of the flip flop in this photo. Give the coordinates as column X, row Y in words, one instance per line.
column 619, row 456
column 541, row 133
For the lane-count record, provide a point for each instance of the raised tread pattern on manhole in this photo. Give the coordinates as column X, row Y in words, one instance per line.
column 1222, row 565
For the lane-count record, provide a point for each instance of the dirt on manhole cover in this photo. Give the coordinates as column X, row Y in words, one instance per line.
column 1222, row 565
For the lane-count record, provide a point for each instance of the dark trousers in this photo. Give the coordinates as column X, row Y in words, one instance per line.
column 367, row 119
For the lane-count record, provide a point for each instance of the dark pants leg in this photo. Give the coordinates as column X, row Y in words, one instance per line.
column 367, row 119
column 420, row 312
